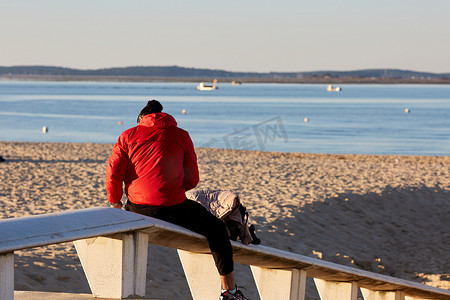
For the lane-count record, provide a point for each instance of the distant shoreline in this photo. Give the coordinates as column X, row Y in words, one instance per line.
column 304, row 80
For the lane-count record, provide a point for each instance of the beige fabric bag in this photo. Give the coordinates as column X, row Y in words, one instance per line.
column 224, row 204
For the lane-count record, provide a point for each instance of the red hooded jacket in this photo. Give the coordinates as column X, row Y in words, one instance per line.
column 156, row 161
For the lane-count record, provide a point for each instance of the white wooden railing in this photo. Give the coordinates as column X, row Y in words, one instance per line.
column 112, row 246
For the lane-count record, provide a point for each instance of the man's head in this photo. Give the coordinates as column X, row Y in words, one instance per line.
column 153, row 106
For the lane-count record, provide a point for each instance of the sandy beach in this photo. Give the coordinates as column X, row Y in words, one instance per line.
column 384, row 214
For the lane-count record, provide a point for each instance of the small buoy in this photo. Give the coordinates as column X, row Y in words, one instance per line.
column 120, row 123
column 407, row 110
column 306, row 120
column 184, row 112
column 44, row 129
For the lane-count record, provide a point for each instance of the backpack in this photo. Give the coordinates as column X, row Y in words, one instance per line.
column 234, row 229
column 226, row 206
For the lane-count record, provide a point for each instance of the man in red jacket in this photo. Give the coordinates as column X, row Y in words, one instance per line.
column 157, row 162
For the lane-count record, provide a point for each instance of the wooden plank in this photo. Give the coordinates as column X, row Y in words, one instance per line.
column 7, row 276
column 382, row 295
column 201, row 274
column 140, row 262
column 26, row 232
column 333, row 290
column 115, row 268
column 266, row 257
column 280, row 284
column 67, row 226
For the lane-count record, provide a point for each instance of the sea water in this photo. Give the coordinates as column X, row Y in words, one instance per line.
column 361, row 119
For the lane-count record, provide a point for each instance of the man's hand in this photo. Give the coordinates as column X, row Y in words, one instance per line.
column 117, row 205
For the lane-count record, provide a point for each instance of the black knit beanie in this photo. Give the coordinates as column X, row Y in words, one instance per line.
column 153, row 106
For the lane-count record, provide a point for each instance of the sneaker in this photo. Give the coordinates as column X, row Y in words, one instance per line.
column 229, row 296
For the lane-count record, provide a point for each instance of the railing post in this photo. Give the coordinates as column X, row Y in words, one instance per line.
column 417, row 298
column 384, row 295
column 201, row 274
column 335, row 290
column 115, row 268
column 279, row 283
column 140, row 262
column 7, row 276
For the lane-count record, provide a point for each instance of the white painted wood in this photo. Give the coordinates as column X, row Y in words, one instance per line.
column 7, row 276
column 201, row 274
column 300, row 284
column 141, row 257
column 101, row 259
column 415, row 298
column 383, row 295
column 40, row 230
column 67, row 226
column 279, row 283
column 333, row 290
column 109, row 265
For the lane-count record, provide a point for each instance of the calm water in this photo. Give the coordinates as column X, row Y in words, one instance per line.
column 361, row 119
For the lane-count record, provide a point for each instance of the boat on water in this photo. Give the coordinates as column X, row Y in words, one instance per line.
column 203, row 87
column 235, row 82
column 331, row 88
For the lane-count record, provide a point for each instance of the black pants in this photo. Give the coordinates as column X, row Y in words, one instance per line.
column 195, row 217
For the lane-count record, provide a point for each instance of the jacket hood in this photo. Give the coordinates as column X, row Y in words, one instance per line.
column 159, row 120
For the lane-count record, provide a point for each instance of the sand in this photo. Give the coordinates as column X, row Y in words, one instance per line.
column 385, row 214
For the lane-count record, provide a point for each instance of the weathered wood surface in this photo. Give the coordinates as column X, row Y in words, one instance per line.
column 34, row 231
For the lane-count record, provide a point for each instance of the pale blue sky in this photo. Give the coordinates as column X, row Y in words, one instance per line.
column 245, row 35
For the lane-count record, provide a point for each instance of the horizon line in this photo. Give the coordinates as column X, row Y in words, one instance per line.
column 216, row 69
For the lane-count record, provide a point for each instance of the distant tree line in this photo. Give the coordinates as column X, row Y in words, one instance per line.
column 181, row 72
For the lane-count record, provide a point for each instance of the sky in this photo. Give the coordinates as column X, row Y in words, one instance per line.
column 241, row 36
